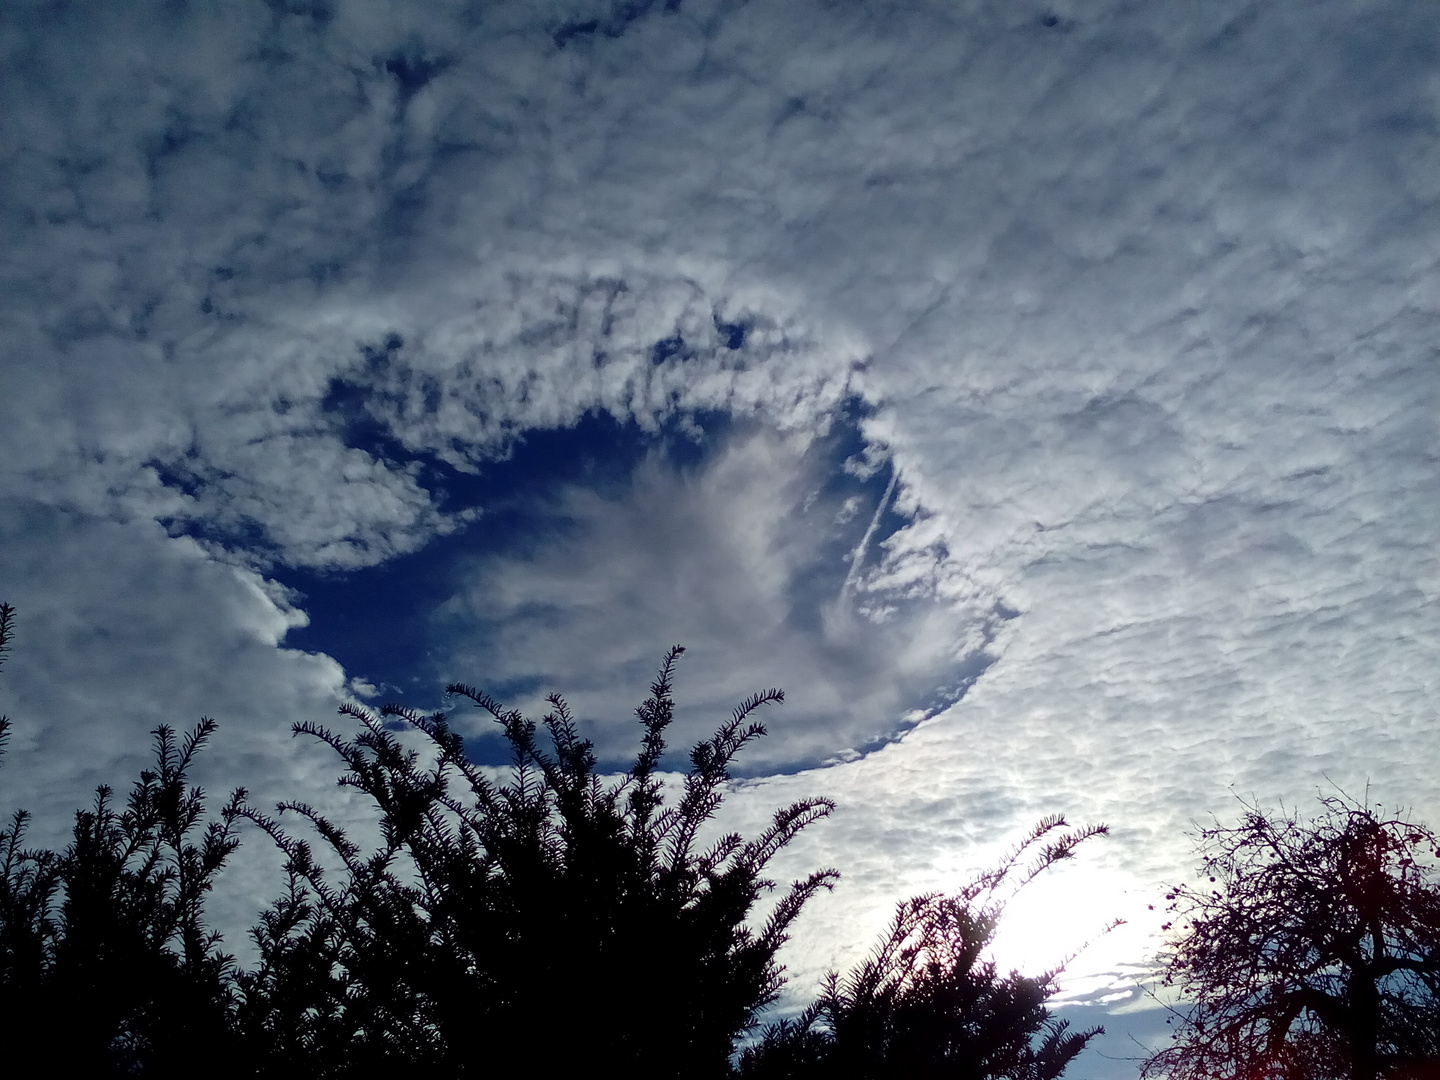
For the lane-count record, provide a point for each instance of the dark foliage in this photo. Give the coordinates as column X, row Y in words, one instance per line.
column 29, row 881
column 927, row 1004
column 107, row 962
column 1311, row 950
column 553, row 894
column 496, row 906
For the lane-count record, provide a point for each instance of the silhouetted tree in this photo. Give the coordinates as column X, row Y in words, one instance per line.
column 107, row 962
column 1311, row 950
column 927, row 1003
column 552, row 901
column 29, row 880
column 540, row 920
column 136, row 978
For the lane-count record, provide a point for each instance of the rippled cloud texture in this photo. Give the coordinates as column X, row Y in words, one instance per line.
column 1136, row 303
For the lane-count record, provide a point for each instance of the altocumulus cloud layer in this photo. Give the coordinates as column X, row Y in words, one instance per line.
column 1135, row 301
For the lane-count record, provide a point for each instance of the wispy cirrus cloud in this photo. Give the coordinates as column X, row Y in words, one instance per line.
column 755, row 558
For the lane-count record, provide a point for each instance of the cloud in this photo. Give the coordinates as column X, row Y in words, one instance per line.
column 747, row 559
column 1141, row 299
column 120, row 629
column 1054, row 203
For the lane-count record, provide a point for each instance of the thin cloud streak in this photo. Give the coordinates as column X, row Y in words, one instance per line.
column 859, row 558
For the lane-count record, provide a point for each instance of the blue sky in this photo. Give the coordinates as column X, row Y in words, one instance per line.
column 1043, row 394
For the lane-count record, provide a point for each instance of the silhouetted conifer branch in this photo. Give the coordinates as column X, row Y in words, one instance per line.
column 927, row 1002
column 545, row 892
column 488, row 903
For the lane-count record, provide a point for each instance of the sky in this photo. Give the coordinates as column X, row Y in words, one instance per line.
column 1043, row 394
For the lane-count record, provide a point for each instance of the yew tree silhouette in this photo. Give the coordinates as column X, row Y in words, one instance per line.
column 106, row 964
column 544, row 919
column 552, row 903
column 928, row 1002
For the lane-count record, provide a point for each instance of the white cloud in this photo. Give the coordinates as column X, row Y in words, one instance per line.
column 120, row 629
column 1144, row 296
column 739, row 560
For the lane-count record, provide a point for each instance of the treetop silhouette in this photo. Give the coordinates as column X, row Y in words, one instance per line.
column 543, row 917
column 928, row 1002
column 106, row 961
column 1310, row 949
column 555, row 893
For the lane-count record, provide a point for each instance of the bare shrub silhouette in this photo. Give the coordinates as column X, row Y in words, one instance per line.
column 1310, row 949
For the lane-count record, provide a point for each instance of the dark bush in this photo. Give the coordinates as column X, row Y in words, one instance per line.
column 553, row 894
column 542, row 920
column 1310, row 950
column 927, row 1003
column 105, row 959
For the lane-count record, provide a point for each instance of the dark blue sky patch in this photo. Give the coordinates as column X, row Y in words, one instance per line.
column 379, row 621
column 374, row 620
column 348, row 398
column 598, row 452
column 233, row 533
column 179, row 475
column 175, row 136
column 858, row 496
column 568, row 31
column 345, row 404
column 668, row 349
column 733, row 334
column 405, row 208
column 395, row 625
column 190, row 475
column 617, row 18
column 413, row 72
column 320, row 12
